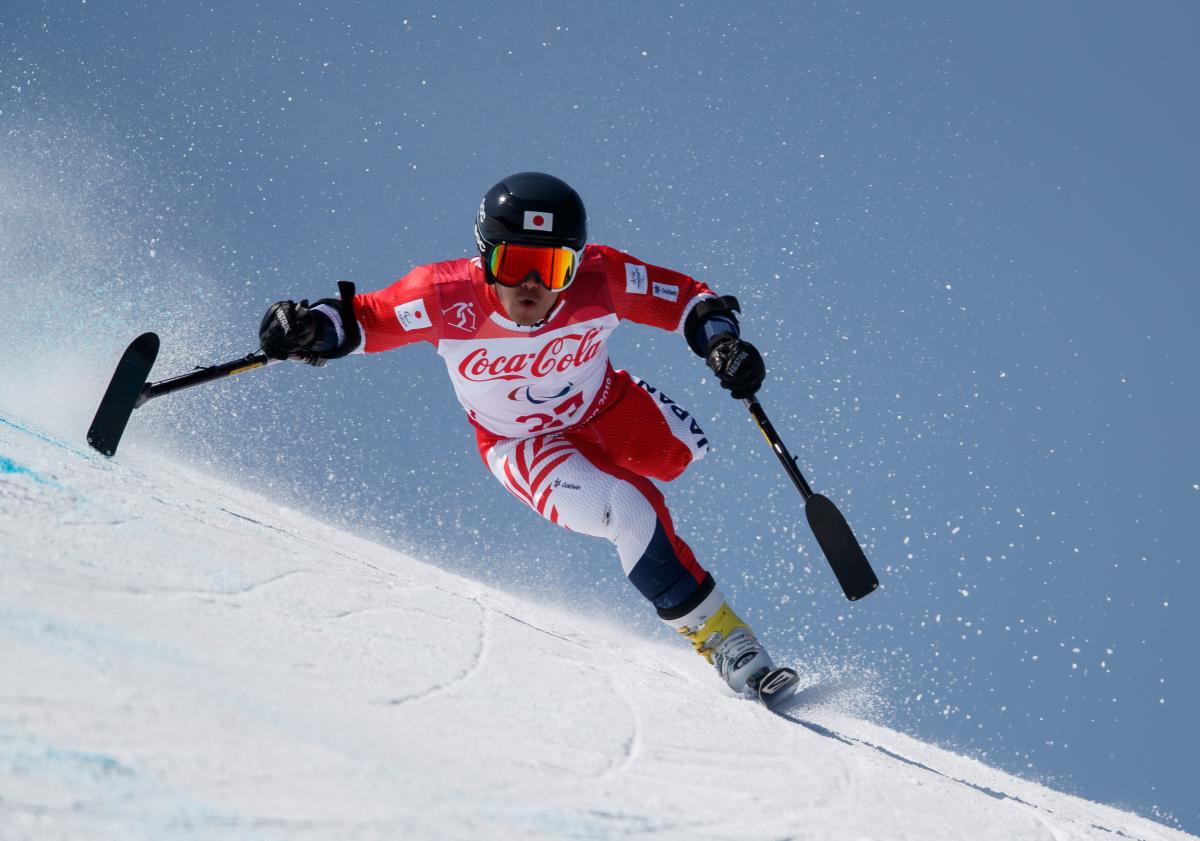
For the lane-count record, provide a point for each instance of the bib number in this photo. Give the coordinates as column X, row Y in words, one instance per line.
column 544, row 422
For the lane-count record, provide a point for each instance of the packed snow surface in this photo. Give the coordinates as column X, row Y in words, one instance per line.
column 184, row 659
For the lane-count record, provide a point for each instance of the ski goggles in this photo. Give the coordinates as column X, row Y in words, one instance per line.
column 510, row 264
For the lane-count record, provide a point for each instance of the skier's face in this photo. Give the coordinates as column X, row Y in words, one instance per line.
column 528, row 303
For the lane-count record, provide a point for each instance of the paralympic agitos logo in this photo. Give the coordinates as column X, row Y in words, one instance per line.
column 556, row 356
column 526, row 393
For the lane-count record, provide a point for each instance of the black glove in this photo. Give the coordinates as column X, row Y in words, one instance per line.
column 738, row 365
column 287, row 328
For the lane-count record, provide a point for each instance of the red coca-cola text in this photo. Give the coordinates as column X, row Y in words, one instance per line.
column 556, row 356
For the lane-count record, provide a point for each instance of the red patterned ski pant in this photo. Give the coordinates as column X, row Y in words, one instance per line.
column 595, row 479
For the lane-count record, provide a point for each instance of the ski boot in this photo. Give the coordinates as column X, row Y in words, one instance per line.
column 724, row 640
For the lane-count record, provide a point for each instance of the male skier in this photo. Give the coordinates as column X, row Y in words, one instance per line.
column 523, row 329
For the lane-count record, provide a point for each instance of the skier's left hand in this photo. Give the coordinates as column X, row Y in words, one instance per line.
column 738, row 365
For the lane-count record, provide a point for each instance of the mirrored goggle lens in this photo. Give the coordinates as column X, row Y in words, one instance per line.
column 512, row 265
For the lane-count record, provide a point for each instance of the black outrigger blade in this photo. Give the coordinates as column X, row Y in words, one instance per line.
column 833, row 533
column 121, row 397
column 841, row 548
column 129, row 390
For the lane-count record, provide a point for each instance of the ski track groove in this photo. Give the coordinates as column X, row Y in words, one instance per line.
column 120, row 523
column 632, row 747
column 198, row 511
column 484, row 643
column 975, row 787
column 526, row 624
column 186, row 593
column 391, row 608
column 1051, row 832
column 292, row 536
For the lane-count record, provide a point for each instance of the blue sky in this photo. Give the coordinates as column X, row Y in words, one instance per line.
column 959, row 233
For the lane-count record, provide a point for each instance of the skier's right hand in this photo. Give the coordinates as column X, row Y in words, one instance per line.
column 287, row 328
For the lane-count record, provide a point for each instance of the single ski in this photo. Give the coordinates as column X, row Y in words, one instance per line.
column 776, row 686
column 122, row 394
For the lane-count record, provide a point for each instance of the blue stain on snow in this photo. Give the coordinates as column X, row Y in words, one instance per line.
column 8, row 466
column 41, row 436
column 80, row 641
column 77, row 762
column 105, row 787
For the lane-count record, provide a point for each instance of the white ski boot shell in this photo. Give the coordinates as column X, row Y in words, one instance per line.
column 727, row 642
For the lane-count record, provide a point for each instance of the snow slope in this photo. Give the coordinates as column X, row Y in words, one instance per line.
column 183, row 659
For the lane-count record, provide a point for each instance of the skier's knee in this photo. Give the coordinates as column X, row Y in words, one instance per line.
column 628, row 522
column 662, row 576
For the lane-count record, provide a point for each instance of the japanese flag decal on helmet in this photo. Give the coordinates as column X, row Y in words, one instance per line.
column 531, row 208
column 538, row 220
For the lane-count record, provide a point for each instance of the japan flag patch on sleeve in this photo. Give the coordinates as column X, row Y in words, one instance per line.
column 413, row 315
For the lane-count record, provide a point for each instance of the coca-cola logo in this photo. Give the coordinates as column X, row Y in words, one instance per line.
column 557, row 356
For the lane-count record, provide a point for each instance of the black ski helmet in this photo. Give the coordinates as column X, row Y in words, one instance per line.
column 530, row 208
